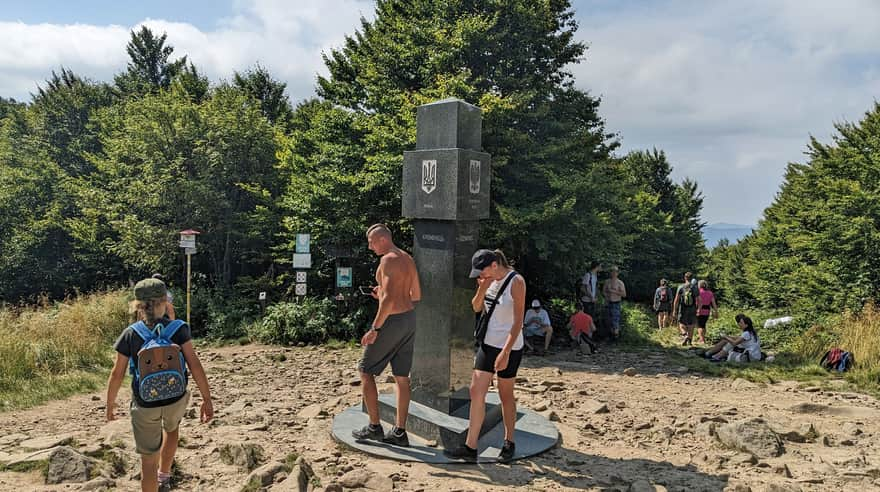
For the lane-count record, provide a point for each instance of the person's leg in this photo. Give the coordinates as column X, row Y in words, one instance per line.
column 169, row 448
column 370, row 396
column 508, row 406
column 149, row 472
column 479, row 387
column 716, row 348
column 403, row 396
column 660, row 320
column 548, row 335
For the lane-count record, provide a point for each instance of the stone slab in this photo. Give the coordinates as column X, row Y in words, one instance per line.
column 434, row 425
column 449, row 124
column 534, row 434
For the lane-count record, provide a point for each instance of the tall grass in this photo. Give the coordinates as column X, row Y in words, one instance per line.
column 51, row 351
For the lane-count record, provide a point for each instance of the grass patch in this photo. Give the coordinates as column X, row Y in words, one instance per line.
column 23, row 393
column 42, row 466
column 797, row 346
column 254, row 485
column 55, row 350
column 335, row 344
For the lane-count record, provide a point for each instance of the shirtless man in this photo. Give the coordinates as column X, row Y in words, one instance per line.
column 391, row 336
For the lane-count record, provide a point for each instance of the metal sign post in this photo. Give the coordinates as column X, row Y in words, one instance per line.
column 302, row 260
column 188, row 243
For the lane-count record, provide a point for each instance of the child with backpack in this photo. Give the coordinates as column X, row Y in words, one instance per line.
column 157, row 352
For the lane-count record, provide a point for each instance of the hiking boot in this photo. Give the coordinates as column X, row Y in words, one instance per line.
column 462, row 452
column 369, row 433
column 165, row 485
column 397, row 437
column 507, row 451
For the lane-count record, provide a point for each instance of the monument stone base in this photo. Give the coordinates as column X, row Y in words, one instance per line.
column 448, row 430
column 534, row 433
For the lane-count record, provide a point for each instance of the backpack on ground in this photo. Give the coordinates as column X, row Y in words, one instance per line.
column 688, row 297
column 160, row 373
column 837, row 359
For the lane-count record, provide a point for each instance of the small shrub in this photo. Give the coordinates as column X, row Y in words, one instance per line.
column 293, row 322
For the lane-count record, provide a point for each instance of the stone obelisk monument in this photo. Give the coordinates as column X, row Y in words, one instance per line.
column 446, row 192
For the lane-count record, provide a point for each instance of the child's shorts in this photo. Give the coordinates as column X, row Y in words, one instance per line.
column 148, row 424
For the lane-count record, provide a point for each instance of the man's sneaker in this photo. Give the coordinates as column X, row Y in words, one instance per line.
column 462, row 452
column 397, row 437
column 507, row 451
column 369, row 433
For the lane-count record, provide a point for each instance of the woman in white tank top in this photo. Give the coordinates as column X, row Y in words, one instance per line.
column 501, row 350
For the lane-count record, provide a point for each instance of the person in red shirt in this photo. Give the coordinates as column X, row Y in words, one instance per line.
column 582, row 329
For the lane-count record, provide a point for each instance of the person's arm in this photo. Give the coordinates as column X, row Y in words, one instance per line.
column 734, row 341
column 117, row 374
column 714, row 308
column 699, row 303
column 622, row 292
column 415, row 289
column 592, row 328
column 545, row 318
column 198, row 373
column 518, row 291
column 384, row 280
column 479, row 299
column 675, row 302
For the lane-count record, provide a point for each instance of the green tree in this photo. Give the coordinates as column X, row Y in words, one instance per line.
column 548, row 143
column 150, row 67
column 63, row 109
column 258, row 82
column 169, row 163
column 818, row 245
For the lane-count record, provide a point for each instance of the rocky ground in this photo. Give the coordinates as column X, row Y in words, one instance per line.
column 628, row 422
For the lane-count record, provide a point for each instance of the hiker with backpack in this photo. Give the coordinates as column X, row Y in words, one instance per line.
column 157, row 352
column 744, row 348
column 706, row 306
column 685, row 306
column 663, row 303
column 589, row 288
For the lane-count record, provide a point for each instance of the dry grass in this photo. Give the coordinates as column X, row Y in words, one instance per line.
column 51, row 351
column 860, row 335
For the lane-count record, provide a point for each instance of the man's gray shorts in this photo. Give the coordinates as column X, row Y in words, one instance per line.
column 394, row 344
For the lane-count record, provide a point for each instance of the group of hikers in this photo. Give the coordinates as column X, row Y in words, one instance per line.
column 158, row 352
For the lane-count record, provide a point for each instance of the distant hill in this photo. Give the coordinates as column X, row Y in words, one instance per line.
column 713, row 233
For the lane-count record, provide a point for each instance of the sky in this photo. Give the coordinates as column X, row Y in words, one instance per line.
column 731, row 91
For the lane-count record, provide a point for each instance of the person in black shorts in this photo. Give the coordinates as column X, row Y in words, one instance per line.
column 391, row 336
column 499, row 352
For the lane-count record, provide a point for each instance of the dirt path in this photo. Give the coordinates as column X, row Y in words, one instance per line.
column 657, row 428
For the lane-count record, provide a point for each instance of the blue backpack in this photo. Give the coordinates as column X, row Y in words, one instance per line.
column 161, row 370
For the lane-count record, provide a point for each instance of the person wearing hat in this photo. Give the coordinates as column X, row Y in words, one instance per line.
column 614, row 291
column 501, row 290
column 169, row 306
column 155, row 424
column 536, row 324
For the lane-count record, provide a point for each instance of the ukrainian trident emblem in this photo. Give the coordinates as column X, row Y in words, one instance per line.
column 429, row 175
column 475, row 177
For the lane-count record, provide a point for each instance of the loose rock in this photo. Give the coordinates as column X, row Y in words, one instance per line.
column 751, row 435
column 66, row 465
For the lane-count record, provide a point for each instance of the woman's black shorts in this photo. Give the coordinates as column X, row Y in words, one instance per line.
column 485, row 361
column 702, row 319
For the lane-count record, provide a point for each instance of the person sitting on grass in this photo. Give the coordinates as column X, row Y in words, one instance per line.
column 747, row 343
column 582, row 329
column 537, row 324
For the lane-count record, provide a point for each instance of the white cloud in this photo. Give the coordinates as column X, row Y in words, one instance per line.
column 731, row 91
column 287, row 39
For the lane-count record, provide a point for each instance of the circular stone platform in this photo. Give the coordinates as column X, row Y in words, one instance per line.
column 534, row 434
